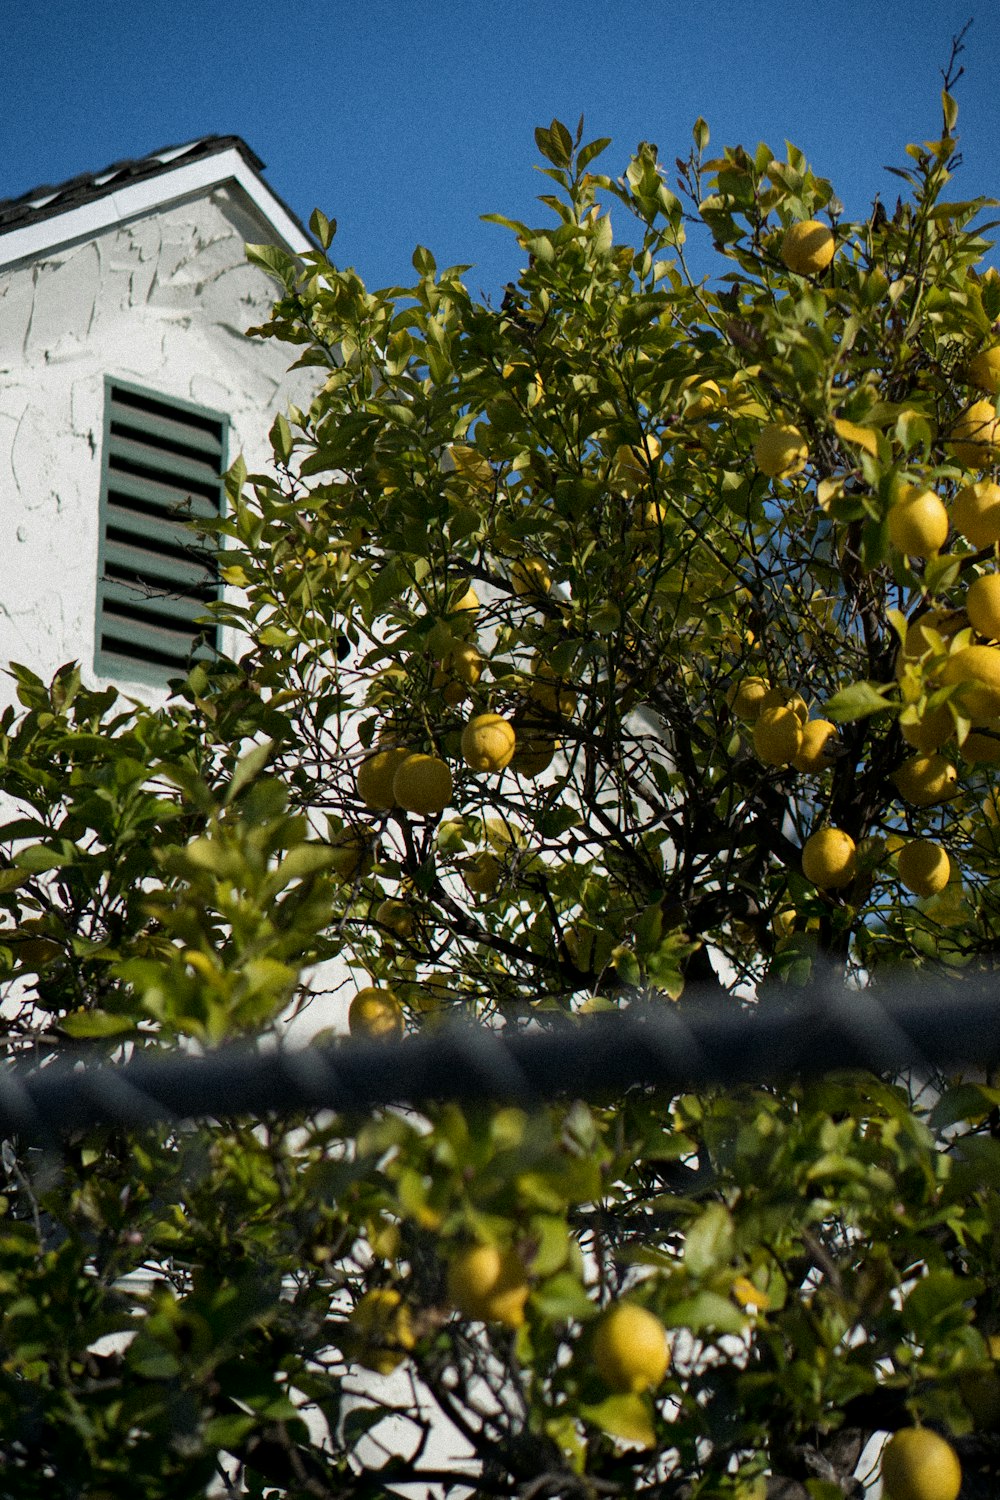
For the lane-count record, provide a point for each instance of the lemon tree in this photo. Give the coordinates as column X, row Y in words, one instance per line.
column 628, row 640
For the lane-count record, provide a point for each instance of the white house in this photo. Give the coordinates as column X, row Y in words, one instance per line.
column 127, row 386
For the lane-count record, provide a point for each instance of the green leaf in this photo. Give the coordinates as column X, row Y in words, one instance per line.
column 701, row 134
column 949, row 109
column 276, row 262
column 323, row 228
column 858, row 701
column 248, row 768
column 92, row 1023
column 708, row 1243
column 628, row 1417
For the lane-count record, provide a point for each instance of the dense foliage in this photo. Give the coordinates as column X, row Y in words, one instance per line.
column 566, row 627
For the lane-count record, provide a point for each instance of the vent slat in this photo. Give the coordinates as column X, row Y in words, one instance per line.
column 156, row 577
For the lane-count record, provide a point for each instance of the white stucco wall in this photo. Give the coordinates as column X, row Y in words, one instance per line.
column 161, row 301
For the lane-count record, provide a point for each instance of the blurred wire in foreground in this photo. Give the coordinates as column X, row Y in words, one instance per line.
column 884, row 1030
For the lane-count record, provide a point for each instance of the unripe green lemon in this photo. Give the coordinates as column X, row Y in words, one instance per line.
column 488, row 742
column 489, row 1284
column 917, row 1464
column 396, row 917
column 630, row 1349
column 977, row 669
column 983, row 604
column 807, row 248
column 777, row 736
column 818, row 740
column 923, row 867
column 975, row 437
column 376, row 775
column 422, row 784
column 781, row 451
column 829, row 858
column 375, row 1013
column 746, row 698
column 984, row 370
column 925, row 779
column 918, row 522
column 976, row 512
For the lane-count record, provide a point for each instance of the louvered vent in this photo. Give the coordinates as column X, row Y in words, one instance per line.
column 163, row 465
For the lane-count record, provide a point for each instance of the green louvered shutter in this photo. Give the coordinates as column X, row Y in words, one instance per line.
column 163, row 463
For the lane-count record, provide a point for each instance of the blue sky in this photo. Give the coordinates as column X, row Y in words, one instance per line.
column 408, row 119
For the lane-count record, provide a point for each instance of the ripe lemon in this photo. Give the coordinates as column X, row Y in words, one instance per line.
column 829, row 858
column 923, row 867
column 351, row 853
column 777, row 736
column 396, row 917
column 746, row 698
column 467, row 603
column 375, row 1013
column 422, row 784
column 630, row 1348
column 919, row 1465
column 977, row 668
column 807, row 248
column 925, row 779
column 384, row 1329
column 488, row 742
column 781, row 451
column 376, row 775
column 530, row 577
column 982, row 749
column 817, row 742
column 533, row 750
column 975, row 437
column 783, row 697
column 460, row 670
column 983, row 604
column 976, row 512
column 918, row 522
column 933, row 729
column 489, row 1284
column 549, row 691
column 984, row 370
column 482, row 872
column 944, row 622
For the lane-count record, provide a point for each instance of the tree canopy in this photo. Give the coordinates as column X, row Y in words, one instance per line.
column 633, row 639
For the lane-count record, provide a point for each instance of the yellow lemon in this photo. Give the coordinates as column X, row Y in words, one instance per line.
column 984, row 370
column 781, row 451
column 704, row 397
column 529, row 576
column 918, row 522
column 376, row 775
column 351, row 853
column 746, row 698
column 467, row 603
column 489, row 1284
column 630, row 1348
column 807, row 248
column 923, row 867
column 983, row 604
column 488, row 742
column 777, row 736
column 829, row 858
column 917, row 1464
column 533, row 750
column 977, row 669
column 384, row 1329
column 975, row 437
column 925, row 779
column 976, row 512
column 933, row 729
column 422, row 784
column 375, row 1013
column 815, row 747
column 396, row 917
column 482, row 872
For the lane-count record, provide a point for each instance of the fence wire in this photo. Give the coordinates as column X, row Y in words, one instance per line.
column 671, row 1047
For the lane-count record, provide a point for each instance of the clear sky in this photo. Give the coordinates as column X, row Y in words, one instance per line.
column 408, row 119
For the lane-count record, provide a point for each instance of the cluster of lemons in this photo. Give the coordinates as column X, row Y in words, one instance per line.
column 485, row 1283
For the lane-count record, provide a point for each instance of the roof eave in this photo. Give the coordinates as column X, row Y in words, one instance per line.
column 135, row 199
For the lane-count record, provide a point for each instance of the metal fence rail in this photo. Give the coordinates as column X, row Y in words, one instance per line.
column 672, row 1047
